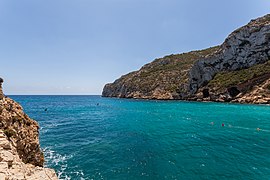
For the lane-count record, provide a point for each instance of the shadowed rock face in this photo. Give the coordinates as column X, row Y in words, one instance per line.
column 184, row 76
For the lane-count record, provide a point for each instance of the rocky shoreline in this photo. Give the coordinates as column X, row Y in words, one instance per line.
column 236, row 71
column 20, row 154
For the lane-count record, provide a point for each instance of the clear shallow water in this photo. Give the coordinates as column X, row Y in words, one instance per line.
column 133, row 139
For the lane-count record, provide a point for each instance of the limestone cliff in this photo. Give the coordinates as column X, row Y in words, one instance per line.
column 20, row 153
column 196, row 75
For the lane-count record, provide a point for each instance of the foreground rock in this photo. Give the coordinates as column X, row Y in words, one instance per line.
column 12, row 167
column 20, row 153
column 200, row 75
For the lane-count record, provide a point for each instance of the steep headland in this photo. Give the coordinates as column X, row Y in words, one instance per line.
column 238, row 70
column 20, row 153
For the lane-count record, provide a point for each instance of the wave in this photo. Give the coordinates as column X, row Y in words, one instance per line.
column 60, row 163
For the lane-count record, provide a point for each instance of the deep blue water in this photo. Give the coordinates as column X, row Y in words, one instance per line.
column 89, row 137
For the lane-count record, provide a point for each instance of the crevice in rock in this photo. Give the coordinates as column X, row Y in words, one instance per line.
column 206, row 93
column 233, row 91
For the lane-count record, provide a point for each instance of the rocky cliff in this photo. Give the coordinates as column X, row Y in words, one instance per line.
column 233, row 71
column 20, row 153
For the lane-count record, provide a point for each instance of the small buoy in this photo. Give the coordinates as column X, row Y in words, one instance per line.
column 223, row 125
column 258, row 129
column 212, row 123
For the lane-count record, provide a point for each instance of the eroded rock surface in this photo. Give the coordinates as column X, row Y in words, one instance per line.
column 245, row 47
column 192, row 76
column 20, row 155
column 22, row 131
column 13, row 168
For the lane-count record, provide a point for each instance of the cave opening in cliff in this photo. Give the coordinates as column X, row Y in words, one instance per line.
column 206, row 93
column 233, row 91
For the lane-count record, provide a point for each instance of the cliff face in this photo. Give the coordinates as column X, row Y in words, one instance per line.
column 245, row 47
column 196, row 75
column 13, row 168
column 164, row 78
column 20, row 153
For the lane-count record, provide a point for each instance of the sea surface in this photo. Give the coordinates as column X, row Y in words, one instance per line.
column 90, row 137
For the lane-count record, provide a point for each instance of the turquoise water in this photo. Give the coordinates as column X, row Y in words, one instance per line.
column 89, row 137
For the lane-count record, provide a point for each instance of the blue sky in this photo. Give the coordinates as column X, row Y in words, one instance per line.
column 76, row 46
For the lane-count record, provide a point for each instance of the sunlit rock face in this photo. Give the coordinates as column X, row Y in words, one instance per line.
column 205, row 75
column 245, row 47
column 20, row 153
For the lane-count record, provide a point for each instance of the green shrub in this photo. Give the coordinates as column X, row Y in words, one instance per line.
column 226, row 79
column 9, row 132
column 268, row 87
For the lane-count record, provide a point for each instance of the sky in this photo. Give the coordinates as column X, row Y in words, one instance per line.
column 77, row 46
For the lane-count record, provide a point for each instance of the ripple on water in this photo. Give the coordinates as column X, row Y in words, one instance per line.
column 151, row 140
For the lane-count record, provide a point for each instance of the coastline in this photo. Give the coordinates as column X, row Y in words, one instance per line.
column 20, row 154
column 236, row 71
column 187, row 100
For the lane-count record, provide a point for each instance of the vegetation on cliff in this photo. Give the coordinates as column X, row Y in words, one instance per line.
column 208, row 74
column 162, row 75
column 221, row 81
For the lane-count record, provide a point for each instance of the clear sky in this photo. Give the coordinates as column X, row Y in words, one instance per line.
column 76, row 46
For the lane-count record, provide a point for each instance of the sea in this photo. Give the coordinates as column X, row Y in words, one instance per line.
column 90, row 137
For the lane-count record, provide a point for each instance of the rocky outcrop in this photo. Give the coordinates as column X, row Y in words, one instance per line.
column 20, row 153
column 13, row 168
column 245, row 47
column 260, row 94
column 164, row 78
column 187, row 76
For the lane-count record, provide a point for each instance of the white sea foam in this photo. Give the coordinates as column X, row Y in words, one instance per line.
column 60, row 162
column 252, row 129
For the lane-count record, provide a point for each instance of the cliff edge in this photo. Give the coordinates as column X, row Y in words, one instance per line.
column 20, row 153
column 236, row 71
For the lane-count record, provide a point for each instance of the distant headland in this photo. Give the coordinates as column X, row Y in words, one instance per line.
column 236, row 71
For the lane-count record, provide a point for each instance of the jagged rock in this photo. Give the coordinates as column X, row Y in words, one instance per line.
column 184, row 76
column 258, row 95
column 245, row 47
column 12, row 166
column 20, row 154
column 22, row 130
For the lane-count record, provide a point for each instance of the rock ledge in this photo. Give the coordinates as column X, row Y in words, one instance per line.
column 20, row 155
